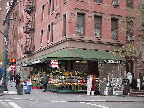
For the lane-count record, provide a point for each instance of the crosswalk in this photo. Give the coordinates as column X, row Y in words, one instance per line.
column 8, row 104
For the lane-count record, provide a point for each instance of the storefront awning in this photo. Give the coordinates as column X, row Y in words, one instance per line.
column 75, row 54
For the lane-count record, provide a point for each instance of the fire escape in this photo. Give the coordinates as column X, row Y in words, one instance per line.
column 29, row 28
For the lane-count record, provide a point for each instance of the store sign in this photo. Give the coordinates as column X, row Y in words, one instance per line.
column 112, row 61
column 54, row 63
column 13, row 67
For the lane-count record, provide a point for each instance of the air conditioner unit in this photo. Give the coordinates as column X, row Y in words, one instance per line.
column 130, row 38
column 115, row 3
column 98, row 35
column 114, row 35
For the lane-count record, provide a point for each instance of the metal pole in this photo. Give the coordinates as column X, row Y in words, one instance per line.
column 5, row 55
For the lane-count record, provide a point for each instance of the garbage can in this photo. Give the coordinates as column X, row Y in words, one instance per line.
column 27, row 87
column 19, row 89
column 1, row 90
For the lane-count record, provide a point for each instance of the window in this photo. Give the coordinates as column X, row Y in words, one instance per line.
column 52, row 32
column 48, row 33
column 129, row 3
column 98, row 1
column 42, row 12
column 41, row 38
column 129, row 29
column 97, row 26
column 142, row 53
column 80, row 24
column 115, row 3
column 64, row 24
column 49, row 7
column 52, row 5
column 114, row 29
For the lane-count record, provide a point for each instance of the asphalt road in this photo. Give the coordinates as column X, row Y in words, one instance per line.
column 39, row 99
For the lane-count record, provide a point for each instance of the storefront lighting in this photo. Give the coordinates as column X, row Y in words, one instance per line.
column 77, row 61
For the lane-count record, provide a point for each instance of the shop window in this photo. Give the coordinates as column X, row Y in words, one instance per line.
column 52, row 32
column 41, row 38
column 64, row 24
column 129, row 3
column 48, row 33
column 80, row 29
column 129, row 30
column 97, row 26
column 98, row 1
column 114, row 29
column 42, row 13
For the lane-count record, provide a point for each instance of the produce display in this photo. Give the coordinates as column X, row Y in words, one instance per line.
column 67, row 80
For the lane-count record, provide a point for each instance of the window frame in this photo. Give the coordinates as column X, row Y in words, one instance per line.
column 130, row 4
column 100, row 27
column 98, row 1
column 64, row 24
column 115, row 28
column 82, row 14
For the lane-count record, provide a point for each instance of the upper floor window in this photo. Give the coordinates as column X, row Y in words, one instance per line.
column 114, row 29
column 48, row 33
column 49, row 7
column 129, row 29
column 52, row 5
column 42, row 13
column 41, row 38
column 115, row 3
column 52, row 32
column 98, row 1
column 97, row 26
column 129, row 3
column 64, row 24
column 80, row 28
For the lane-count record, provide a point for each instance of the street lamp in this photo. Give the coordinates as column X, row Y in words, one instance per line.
column 5, row 53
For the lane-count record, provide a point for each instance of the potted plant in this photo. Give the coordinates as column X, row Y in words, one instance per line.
column 35, row 85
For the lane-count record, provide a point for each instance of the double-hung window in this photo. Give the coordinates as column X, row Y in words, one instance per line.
column 129, row 29
column 114, row 29
column 97, row 26
column 80, row 28
column 129, row 3
column 98, row 1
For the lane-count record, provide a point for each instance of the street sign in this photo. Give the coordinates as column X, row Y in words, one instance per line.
column 54, row 63
column 13, row 67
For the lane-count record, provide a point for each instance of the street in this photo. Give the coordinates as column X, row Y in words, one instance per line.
column 39, row 99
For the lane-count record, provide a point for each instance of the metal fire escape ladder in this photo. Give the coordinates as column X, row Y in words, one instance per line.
column 28, row 28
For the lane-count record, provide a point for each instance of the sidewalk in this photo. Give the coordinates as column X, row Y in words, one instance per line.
column 11, row 90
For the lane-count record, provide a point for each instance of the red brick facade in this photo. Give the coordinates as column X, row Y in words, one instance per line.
column 48, row 18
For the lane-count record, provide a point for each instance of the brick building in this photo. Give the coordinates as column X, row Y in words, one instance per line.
column 46, row 27
column 3, row 4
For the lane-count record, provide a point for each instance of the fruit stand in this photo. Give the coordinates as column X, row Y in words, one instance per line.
column 67, row 81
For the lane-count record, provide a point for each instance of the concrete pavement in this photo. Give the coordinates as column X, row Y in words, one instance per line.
column 81, row 97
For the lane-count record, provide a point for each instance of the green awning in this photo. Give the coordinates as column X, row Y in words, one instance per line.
column 72, row 54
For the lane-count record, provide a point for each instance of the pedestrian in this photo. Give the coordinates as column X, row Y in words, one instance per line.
column 45, row 81
column 11, row 78
column 18, row 79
